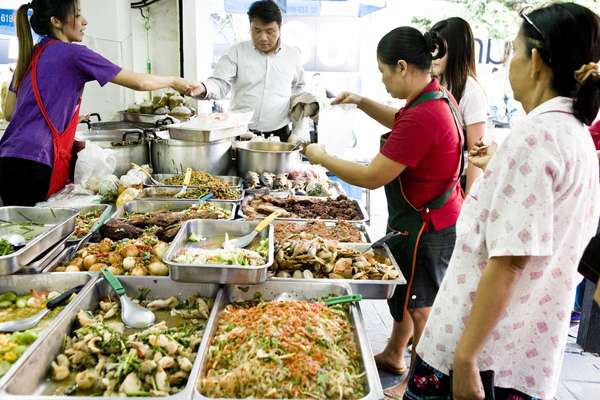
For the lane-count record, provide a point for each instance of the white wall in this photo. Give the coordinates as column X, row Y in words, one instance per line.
column 108, row 33
column 163, row 43
column 117, row 32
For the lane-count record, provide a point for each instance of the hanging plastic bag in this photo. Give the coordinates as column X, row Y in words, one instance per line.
column 336, row 128
column 93, row 164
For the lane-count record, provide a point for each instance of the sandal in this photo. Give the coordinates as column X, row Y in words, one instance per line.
column 391, row 396
column 384, row 366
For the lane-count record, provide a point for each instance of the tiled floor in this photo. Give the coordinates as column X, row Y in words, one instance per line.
column 580, row 379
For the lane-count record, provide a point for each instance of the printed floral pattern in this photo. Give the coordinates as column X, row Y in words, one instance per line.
column 537, row 198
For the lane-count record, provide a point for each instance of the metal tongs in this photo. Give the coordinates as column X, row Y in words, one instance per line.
column 384, row 240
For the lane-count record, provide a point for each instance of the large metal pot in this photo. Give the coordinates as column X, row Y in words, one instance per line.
column 131, row 146
column 170, row 156
column 262, row 157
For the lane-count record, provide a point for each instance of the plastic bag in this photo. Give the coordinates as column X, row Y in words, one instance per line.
column 134, row 178
column 108, row 188
column 72, row 196
column 336, row 128
column 127, row 196
column 300, row 132
column 93, row 164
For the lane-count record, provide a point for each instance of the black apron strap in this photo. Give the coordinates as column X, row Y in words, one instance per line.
column 405, row 217
column 441, row 200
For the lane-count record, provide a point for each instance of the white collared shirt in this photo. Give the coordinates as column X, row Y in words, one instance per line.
column 259, row 82
column 538, row 197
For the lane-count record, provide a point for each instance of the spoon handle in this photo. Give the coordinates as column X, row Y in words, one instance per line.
column 343, row 299
column 113, row 282
column 58, row 300
column 267, row 221
column 205, row 198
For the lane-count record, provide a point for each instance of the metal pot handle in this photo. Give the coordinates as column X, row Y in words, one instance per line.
column 163, row 122
column 96, row 115
column 150, row 134
column 89, row 121
column 139, row 132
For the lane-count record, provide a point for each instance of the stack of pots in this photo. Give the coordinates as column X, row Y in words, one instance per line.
column 146, row 142
column 129, row 141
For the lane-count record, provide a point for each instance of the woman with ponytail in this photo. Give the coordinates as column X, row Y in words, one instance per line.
column 456, row 71
column 44, row 98
column 420, row 165
column 499, row 324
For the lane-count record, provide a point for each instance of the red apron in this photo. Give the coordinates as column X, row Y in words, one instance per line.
column 62, row 141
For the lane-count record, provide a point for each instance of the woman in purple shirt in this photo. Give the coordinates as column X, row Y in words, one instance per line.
column 43, row 104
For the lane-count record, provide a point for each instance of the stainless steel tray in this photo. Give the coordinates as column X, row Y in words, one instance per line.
column 335, row 190
column 364, row 231
column 186, row 131
column 39, row 264
column 217, row 273
column 369, row 289
column 231, row 180
column 167, row 193
column 105, row 216
column 364, row 214
column 29, row 379
column 65, row 255
column 68, row 253
column 23, row 284
column 269, row 291
column 151, row 205
column 63, row 220
column 144, row 118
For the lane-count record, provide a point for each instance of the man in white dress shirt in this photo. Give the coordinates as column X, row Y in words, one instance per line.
column 262, row 74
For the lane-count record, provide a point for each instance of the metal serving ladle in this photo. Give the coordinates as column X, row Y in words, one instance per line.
column 132, row 314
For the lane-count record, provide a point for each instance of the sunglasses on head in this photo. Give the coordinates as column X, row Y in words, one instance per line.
column 523, row 14
column 545, row 54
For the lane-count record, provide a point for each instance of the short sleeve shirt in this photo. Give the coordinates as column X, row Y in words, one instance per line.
column 473, row 103
column 426, row 139
column 63, row 71
column 595, row 131
column 538, row 197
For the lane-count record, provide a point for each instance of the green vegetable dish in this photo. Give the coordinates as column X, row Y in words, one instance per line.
column 255, row 255
column 104, row 358
column 5, row 248
column 13, row 307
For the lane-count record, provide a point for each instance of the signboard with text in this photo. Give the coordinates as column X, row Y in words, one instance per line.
column 7, row 22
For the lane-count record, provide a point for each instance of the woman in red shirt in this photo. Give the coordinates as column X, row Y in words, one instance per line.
column 420, row 164
column 595, row 131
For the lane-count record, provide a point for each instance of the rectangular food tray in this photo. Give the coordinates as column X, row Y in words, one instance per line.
column 145, row 206
column 364, row 215
column 364, row 231
column 21, row 284
column 217, row 273
column 228, row 179
column 29, row 380
column 335, row 190
column 42, row 262
column 167, row 193
column 105, row 216
column 306, row 290
column 62, row 219
column 369, row 289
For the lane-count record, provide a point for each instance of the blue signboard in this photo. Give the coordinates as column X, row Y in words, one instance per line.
column 7, row 22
